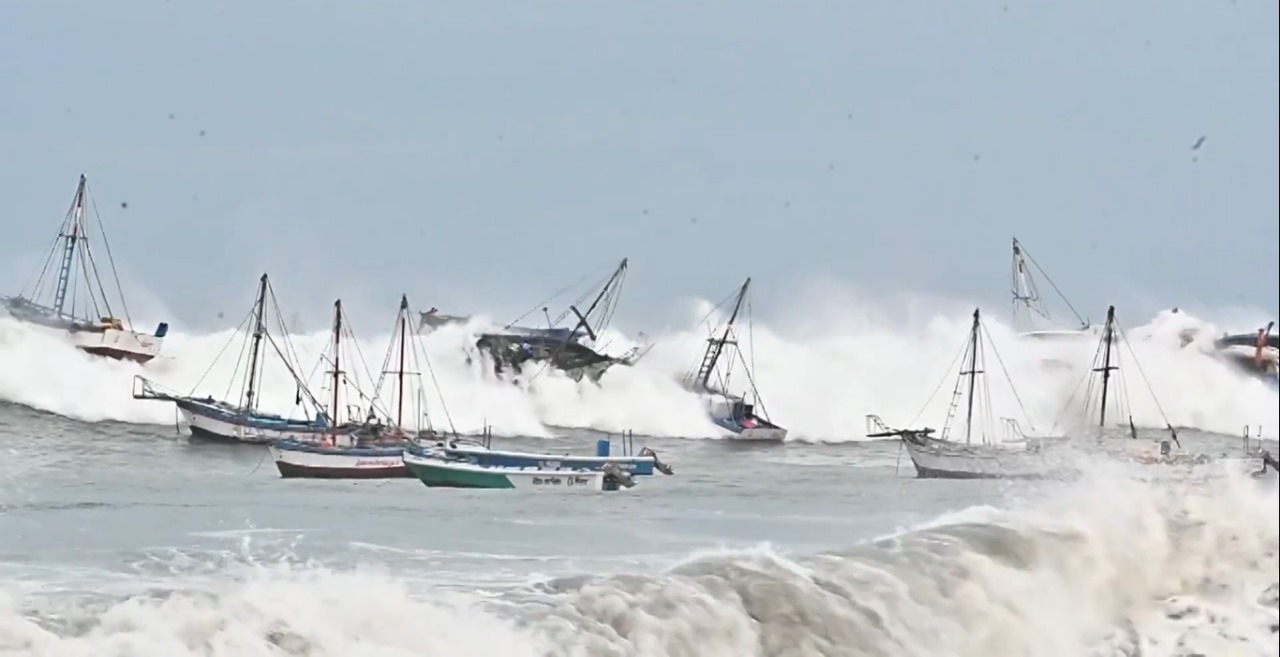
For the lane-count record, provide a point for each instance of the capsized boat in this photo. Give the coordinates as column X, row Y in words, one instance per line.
column 91, row 324
column 974, row 455
column 743, row 416
column 438, row 470
column 374, row 450
column 243, row 421
column 577, row 351
column 642, row 463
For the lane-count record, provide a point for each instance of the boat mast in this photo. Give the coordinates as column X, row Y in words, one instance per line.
column 404, row 319
column 337, row 369
column 69, row 251
column 716, row 347
column 255, row 350
column 972, row 373
column 1107, row 335
column 582, row 317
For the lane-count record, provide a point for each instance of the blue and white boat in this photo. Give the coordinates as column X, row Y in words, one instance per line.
column 242, row 421
column 87, row 319
column 743, row 416
column 644, row 462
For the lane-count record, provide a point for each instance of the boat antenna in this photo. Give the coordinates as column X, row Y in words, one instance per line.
column 1108, row 336
column 716, row 346
column 1025, row 293
column 404, row 318
column 259, row 328
column 337, row 369
column 972, row 373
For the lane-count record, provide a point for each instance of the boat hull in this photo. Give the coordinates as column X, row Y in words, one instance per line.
column 208, row 422
column 726, row 413
column 106, row 342
column 440, row 472
column 935, row 459
column 479, row 455
column 299, row 460
column 118, row 345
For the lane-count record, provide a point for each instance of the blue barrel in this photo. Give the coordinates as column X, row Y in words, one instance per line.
column 602, row 447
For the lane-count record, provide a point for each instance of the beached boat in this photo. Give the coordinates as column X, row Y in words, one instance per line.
column 978, row 455
column 577, row 351
column 374, row 450
column 91, row 325
column 743, row 416
column 243, row 421
column 642, row 463
column 437, row 470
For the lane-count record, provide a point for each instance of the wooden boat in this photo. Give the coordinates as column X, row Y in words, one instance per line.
column 437, row 470
column 243, row 421
column 576, row 351
column 743, row 416
column 642, row 463
column 977, row 455
column 1031, row 316
column 93, row 327
column 374, row 450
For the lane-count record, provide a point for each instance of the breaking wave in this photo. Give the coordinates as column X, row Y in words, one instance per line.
column 1110, row 567
column 819, row 382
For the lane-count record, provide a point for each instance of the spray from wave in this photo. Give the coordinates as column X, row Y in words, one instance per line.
column 819, row 384
column 1109, row 567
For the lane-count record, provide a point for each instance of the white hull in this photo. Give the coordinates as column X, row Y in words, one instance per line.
column 114, row 343
column 939, row 460
column 214, row 428
column 336, row 465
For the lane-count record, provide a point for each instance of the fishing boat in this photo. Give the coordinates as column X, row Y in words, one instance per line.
column 88, row 320
column 1031, row 316
column 374, row 450
column 577, row 351
column 439, row 470
column 243, row 421
column 743, row 416
column 976, row 455
column 1257, row 354
column 642, row 463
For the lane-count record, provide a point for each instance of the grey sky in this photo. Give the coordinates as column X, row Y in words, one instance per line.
column 479, row 155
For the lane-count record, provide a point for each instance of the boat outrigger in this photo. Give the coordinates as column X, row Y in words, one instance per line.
column 91, row 324
column 560, row 347
column 374, row 450
column 744, row 416
column 244, row 421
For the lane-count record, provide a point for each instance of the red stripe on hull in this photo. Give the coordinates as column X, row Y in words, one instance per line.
column 117, row 354
column 293, row 471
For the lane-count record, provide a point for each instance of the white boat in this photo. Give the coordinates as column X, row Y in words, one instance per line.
column 373, row 450
column 243, row 421
column 977, row 455
column 437, row 470
column 88, row 319
column 743, row 416
column 1031, row 316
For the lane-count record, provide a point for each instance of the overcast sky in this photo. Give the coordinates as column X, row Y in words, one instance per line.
column 480, row 155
